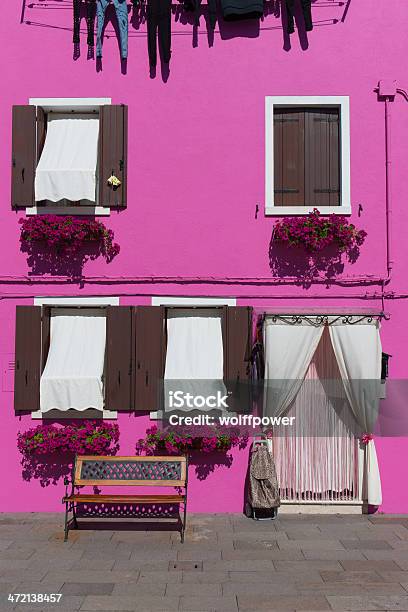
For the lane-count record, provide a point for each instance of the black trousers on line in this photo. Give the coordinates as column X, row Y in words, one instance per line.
column 159, row 25
column 307, row 14
column 194, row 6
column 90, row 20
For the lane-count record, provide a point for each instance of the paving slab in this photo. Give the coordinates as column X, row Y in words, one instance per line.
column 210, row 604
column 144, row 603
column 353, row 577
column 368, row 602
column 249, row 603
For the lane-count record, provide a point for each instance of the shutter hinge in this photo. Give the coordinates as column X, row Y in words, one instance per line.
column 14, row 162
column 121, row 164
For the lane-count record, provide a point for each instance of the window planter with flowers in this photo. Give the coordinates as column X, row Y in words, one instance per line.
column 71, row 241
column 48, row 450
column 316, row 243
column 206, row 451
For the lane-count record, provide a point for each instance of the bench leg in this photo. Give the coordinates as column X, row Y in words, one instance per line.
column 183, row 529
column 66, row 523
column 74, row 516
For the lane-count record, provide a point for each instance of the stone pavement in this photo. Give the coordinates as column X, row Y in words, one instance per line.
column 228, row 562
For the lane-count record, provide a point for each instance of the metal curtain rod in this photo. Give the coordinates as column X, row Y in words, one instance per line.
column 324, row 319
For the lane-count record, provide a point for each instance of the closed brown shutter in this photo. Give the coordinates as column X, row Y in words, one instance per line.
column 322, row 159
column 45, row 335
column 113, row 128
column 150, row 356
column 289, row 157
column 41, row 131
column 239, row 342
column 24, row 156
column 237, row 336
column 28, row 359
column 119, row 358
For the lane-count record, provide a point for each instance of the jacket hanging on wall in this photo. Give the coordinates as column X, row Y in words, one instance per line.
column 90, row 20
column 242, row 9
column 307, row 14
column 263, row 490
column 159, row 25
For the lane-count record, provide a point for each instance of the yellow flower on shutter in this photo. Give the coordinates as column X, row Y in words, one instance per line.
column 113, row 181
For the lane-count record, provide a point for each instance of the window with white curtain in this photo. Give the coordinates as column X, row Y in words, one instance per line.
column 195, row 352
column 67, row 167
column 73, row 374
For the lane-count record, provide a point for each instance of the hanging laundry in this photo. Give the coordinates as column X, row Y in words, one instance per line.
column 122, row 17
column 194, row 6
column 307, row 14
column 242, row 9
column 90, row 20
column 159, row 25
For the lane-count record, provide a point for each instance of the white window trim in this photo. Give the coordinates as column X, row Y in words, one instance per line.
column 76, row 301
column 193, row 301
column 341, row 102
column 65, row 105
column 188, row 301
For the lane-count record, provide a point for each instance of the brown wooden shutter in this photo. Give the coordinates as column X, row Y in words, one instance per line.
column 289, row 157
column 237, row 354
column 41, row 131
column 28, row 359
column 45, row 334
column 113, row 134
column 24, row 156
column 322, row 158
column 119, row 358
column 239, row 342
column 150, row 356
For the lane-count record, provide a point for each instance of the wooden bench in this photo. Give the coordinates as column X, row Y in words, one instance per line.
column 96, row 470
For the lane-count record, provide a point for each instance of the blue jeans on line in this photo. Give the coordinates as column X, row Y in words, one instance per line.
column 122, row 17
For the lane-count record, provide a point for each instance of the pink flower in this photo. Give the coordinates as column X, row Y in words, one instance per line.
column 366, row 438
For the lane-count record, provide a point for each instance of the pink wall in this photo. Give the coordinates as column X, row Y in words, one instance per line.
column 196, row 173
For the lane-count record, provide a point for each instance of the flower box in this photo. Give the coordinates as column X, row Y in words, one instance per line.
column 315, row 233
column 67, row 235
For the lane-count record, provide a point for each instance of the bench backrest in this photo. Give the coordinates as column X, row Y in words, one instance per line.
column 154, row 471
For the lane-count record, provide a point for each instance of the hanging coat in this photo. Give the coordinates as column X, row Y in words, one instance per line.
column 263, row 491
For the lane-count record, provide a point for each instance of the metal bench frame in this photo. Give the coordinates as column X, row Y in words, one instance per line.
column 97, row 470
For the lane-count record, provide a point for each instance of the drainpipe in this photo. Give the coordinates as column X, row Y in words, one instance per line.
column 387, row 91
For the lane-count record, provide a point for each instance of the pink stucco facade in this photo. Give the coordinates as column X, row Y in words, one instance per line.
column 195, row 176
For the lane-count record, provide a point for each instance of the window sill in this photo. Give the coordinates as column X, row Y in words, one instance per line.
column 279, row 211
column 97, row 211
column 69, row 414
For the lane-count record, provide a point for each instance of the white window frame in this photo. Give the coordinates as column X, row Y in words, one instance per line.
column 193, row 301
column 65, row 105
column 340, row 102
column 76, row 301
column 188, row 301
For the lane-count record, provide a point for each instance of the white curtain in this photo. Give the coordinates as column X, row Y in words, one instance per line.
column 67, row 167
column 317, row 458
column 288, row 352
column 358, row 352
column 195, row 354
column 73, row 374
